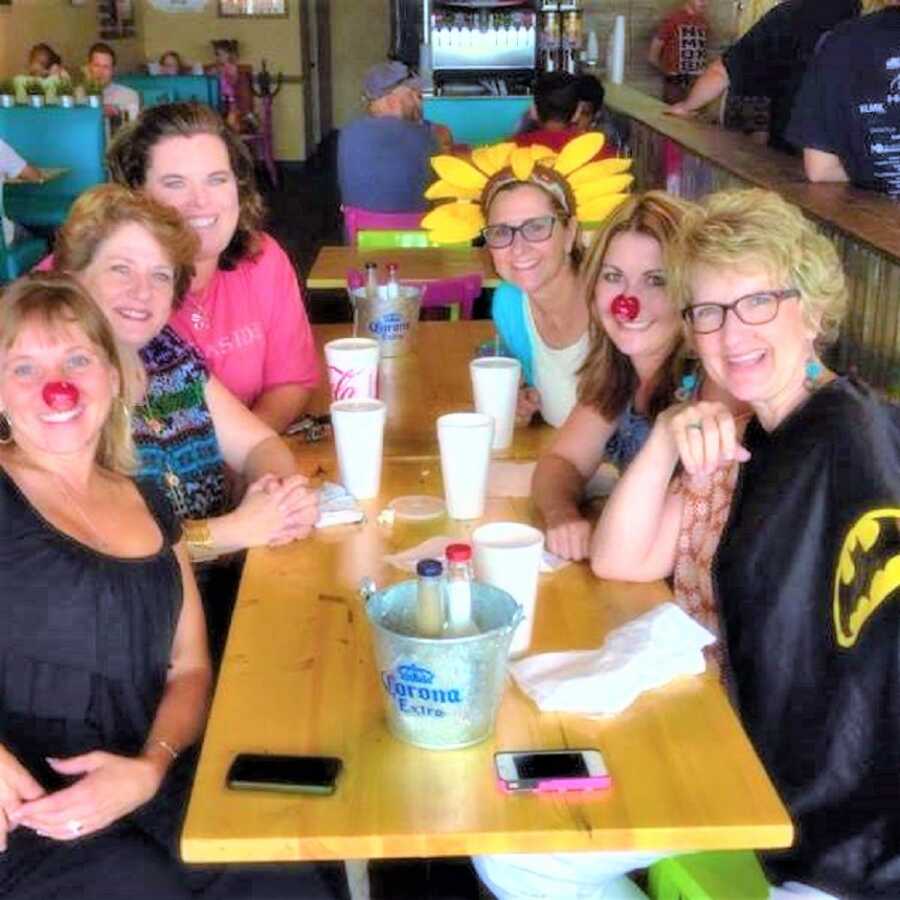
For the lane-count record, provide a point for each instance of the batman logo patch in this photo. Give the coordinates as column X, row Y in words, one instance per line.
column 868, row 572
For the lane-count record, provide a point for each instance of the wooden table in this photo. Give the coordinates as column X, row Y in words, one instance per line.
column 420, row 386
column 47, row 174
column 299, row 677
column 329, row 271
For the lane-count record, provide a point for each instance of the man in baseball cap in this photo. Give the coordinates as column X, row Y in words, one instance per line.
column 383, row 156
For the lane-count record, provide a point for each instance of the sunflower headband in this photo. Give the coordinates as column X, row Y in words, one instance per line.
column 588, row 190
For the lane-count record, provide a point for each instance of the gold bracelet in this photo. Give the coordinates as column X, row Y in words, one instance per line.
column 166, row 746
column 197, row 534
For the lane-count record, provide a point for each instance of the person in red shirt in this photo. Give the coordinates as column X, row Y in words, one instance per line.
column 556, row 99
column 678, row 49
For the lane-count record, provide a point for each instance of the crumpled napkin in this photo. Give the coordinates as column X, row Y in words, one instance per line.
column 337, row 506
column 642, row 654
column 434, row 548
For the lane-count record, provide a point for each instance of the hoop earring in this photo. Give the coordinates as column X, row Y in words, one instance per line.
column 5, row 428
column 122, row 407
column 813, row 374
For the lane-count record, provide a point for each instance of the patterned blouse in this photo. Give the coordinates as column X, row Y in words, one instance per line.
column 174, row 432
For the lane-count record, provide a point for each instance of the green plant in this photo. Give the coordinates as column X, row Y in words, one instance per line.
column 7, row 86
column 64, row 87
column 92, row 87
column 34, row 87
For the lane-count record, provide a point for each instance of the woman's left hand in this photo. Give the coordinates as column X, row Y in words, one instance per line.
column 110, row 787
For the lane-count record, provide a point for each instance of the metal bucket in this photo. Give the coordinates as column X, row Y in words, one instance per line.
column 441, row 693
column 389, row 320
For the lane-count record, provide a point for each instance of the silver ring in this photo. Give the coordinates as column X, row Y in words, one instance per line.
column 697, row 425
column 74, row 826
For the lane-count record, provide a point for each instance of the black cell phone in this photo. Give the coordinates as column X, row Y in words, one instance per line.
column 291, row 774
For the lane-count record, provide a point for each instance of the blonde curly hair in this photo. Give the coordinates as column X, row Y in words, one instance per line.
column 751, row 229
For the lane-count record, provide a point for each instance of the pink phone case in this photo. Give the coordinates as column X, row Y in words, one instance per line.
column 559, row 785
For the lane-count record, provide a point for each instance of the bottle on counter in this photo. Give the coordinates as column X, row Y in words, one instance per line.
column 430, row 598
column 459, row 621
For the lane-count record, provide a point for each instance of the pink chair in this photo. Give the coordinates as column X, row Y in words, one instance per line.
column 356, row 218
column 461, row 291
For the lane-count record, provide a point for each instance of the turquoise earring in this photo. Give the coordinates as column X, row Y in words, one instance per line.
column 813, row 372
column 687, row 387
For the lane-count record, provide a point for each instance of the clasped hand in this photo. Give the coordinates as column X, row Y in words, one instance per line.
column 109, row 788
column 276, row 511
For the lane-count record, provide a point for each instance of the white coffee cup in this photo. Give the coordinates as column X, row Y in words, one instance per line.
column 495, row 386
column 508, row 556
column 352, row 368
column 359, row 439
column 465, row 442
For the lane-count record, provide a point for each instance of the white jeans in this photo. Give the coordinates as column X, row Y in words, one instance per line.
column 563, row 876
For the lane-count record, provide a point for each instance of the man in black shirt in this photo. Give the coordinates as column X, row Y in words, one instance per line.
column 770, row 59
column 847, row 115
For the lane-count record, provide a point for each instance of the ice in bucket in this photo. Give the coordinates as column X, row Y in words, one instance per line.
column 440, row 693
column 387, row 316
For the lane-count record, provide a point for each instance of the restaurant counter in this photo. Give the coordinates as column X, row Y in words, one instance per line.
column 691, row 157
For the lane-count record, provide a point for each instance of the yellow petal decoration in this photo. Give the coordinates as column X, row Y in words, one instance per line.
column 492, row 159
column 522, row 163
column 614, row 184
column 442, row 190
column 579, row 151
column 596, row 170
column 453, row 223
column 539, row 152
column 459, row 172
column 598, row 188
column 597, row 210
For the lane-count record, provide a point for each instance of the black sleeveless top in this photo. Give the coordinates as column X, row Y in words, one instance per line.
column 85, row 638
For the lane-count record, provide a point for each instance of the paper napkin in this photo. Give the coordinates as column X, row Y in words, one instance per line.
column 337, row 506
column 643, row 654
column 435, row 547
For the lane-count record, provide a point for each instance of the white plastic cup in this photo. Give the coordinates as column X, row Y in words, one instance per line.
column 359, row 440
column 352, row 368
column 465, row 442
column 508, row 556
column 495, row 386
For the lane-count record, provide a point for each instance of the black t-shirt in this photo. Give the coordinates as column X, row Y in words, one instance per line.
column 849, row 104
column 807, row 577
column 770, row 59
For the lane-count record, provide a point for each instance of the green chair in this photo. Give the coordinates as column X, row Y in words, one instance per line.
column 732, row 875
column 20, row 257
column 390, row 238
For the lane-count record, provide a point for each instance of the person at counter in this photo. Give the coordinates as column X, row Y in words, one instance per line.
column 849, row 128
column 770, row 60
column 383, row 156
column 678, row 49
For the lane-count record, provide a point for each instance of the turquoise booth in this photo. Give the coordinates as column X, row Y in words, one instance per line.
column 477, row 120
column 53, row 137
column 156, row 89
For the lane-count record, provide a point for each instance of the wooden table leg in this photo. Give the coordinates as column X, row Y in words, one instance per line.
column 358, row 878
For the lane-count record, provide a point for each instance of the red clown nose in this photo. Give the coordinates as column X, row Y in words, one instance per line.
column 60, row 396
column 625, row 307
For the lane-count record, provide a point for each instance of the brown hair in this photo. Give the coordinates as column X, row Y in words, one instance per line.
column 128, row 159
column 103, row 209
column 104, row 48
column 56, row 300
column 608, row 380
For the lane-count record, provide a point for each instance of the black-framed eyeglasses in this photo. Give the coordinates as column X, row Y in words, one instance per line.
column 752, row 309
column 533, row 230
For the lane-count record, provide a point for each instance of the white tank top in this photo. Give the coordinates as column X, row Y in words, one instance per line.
column 555, row 372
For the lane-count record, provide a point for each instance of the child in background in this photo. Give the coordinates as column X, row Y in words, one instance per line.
column 678, row 49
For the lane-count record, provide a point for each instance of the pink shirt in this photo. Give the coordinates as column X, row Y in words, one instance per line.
column 251, row 327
